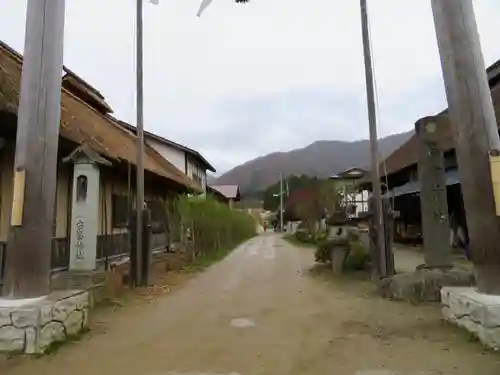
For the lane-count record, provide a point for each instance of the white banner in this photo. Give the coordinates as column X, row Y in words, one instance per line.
column 204, row 4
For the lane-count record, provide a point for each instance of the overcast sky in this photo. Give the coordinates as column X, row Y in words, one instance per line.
column 246, row 80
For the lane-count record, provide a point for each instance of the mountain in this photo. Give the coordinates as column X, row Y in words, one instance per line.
column 211, row 179
column 320, row 159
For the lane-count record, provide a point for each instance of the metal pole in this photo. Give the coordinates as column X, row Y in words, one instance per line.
column 140, row 140
column 472, row 115
column 372, row 120
column 38, row 120
column 281, row 201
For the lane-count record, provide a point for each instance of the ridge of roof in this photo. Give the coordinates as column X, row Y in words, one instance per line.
column 161, row 139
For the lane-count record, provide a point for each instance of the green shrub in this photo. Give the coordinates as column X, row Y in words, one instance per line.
column 322, row 254
column 303, row 236
column 359, row 257
column 214, row 227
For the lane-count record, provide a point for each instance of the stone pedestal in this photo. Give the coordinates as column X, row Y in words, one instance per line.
column 338, row 254
column 339, row 246
column 475, row 312
column 424, row 284
column 30, row 326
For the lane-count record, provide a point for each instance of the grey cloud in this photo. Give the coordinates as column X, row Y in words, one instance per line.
column 247, row 80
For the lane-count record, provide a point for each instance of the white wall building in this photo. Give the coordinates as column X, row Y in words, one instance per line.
column 187, row 160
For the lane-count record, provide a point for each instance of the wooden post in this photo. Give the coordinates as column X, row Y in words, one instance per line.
column 433, row 200
column 473, row 118
column 281, row 202
column 378, row 224
column 140, row 138
column 30, row 236
column 388, row 235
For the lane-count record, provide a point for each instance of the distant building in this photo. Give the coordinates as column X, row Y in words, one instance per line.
column 227, row 193
column 352, row 199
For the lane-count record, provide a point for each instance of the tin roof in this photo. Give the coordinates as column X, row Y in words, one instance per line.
column 229, row 191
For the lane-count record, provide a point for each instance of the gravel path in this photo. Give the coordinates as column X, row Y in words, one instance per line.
column 263, row 310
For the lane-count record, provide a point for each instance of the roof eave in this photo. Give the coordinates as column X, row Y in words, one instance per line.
column 158, row 138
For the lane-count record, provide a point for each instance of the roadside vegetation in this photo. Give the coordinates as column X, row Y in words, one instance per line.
column 316, row 208
column 209, row 229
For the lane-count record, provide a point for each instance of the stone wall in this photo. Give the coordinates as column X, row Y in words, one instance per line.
column 112, row 283
column 475, row 312
column 33, row 326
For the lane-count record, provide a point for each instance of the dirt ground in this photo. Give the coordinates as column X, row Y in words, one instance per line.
column 266, row 310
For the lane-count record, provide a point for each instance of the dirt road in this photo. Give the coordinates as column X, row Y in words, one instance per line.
column 263, row 311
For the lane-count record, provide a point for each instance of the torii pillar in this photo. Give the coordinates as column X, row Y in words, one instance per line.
column 31, row 229
column 433, row 199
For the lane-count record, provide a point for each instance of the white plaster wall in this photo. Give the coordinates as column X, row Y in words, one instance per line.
column 173, row 155
column 178, row 159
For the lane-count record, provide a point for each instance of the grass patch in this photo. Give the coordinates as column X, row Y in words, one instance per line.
column 205, row 260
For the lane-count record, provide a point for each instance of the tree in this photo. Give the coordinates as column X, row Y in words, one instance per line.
column 271, row 198
column 312, row 203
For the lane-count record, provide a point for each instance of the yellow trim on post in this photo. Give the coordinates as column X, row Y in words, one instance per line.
column 16, row 218
column 495, row 177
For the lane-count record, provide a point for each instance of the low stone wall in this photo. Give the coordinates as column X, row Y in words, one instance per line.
column 94, row 282
column 32, row 326
column 112, row 283
column 475, row 312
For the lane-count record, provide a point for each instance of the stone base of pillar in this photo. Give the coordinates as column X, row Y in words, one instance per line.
column 30, row 326
column 424, row 284
column 430, row 267
column 477, row 313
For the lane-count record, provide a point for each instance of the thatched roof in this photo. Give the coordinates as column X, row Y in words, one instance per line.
column 86, row 92
column 82, row 124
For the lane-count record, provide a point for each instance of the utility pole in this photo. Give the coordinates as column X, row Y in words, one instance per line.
column 473, row 118
column 372, row 120
column 281, row 202
column 140, row 142
column 29, row 245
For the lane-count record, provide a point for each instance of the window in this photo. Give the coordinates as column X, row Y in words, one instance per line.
column 81, row 189
column 197, row 178
column 158, row 211
column 120, row 210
